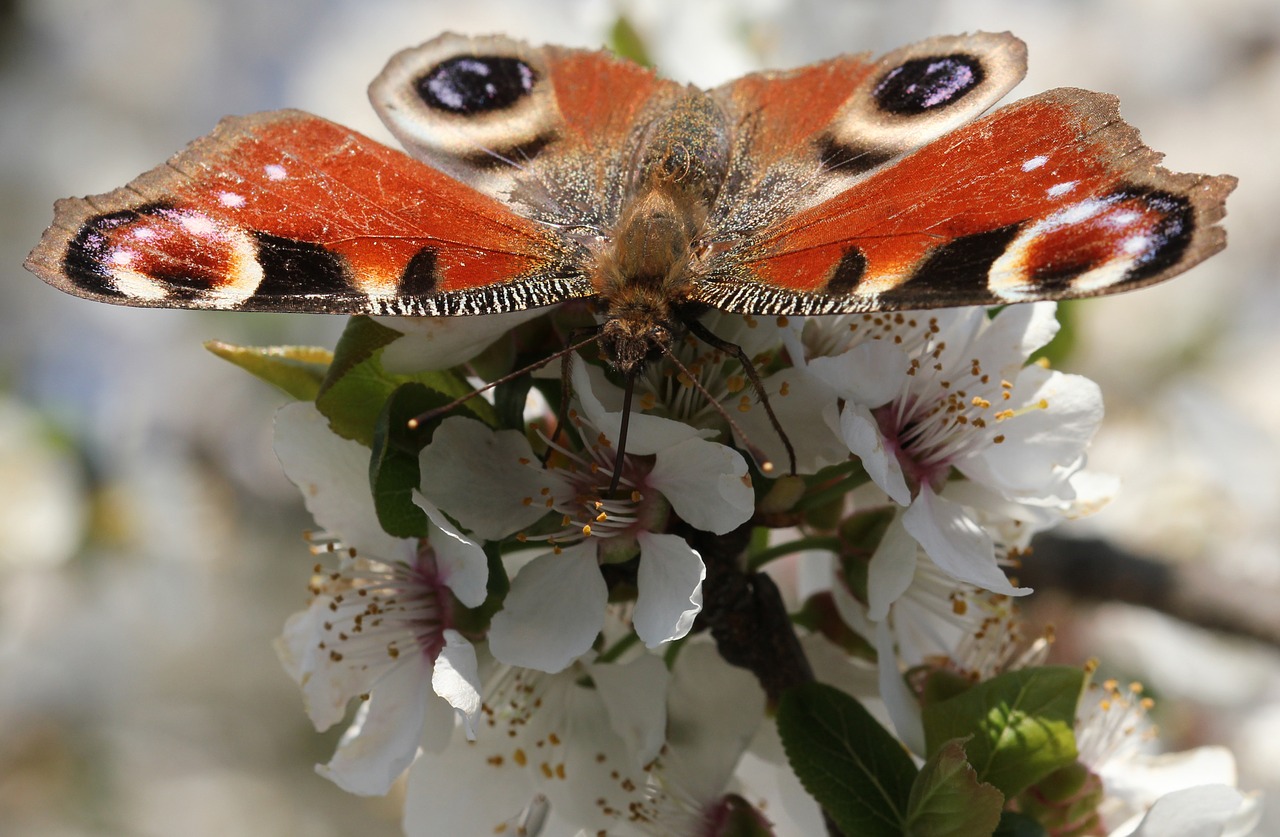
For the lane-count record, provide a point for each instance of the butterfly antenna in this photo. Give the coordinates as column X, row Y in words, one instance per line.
column 705, row 335
column 422, row 418
column 762, row 460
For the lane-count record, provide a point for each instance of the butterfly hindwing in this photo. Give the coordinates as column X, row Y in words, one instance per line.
column 550, row 130
column 285, row 211
column 801, row 136
column 1052, row 197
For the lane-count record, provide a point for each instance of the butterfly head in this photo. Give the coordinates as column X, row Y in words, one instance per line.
column 631, row 342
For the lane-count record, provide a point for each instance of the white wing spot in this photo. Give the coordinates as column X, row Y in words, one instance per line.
column 1035, row 163
column 1074, row 214
column 197, row 224
column 1060, row 189
column 231, row 199
column 121, row 258
column 144, row 233
column 1136, row 245
column 275, row 171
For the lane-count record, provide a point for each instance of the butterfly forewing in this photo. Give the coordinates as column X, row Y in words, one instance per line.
column 285, row 211
column 1052, row 197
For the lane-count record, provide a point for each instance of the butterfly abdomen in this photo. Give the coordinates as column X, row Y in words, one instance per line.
column 644, row 272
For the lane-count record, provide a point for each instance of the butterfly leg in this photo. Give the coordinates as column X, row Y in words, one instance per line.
column 706, row 336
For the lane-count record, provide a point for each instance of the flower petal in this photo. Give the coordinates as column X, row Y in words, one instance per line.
column 333, row 474
column 483, row 478
column 646, row 435
column 870, row 373
column 328, row 684
column 456, row 678
column 956, row 544
column 1202, row 811
column 706, row 484
column 891, row 570
column 1013, row 335
column 901, row 704
column 442, row 342
column 324, row 697
column 715, row 710
column 1042, row 446
column 383, row 739
column 800, row 412
column 467, row 789
column 670, row 588
column 461, row 561
column 861, row 433
column 553, row 612
column 634, row 695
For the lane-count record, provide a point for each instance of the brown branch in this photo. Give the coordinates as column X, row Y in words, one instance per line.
column 1095, row 570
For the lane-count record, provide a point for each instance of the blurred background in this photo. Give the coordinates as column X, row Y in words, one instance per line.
column 150, row 547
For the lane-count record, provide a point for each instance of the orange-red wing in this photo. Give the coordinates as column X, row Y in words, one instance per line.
column 285, row 211
column 1051, row 197
column 783, row 113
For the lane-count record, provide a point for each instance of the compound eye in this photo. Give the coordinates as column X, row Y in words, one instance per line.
column 469, row 84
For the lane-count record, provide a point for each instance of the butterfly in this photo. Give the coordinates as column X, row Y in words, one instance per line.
column 538, row 175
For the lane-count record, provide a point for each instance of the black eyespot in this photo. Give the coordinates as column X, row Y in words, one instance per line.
column 476, row 84
column 923, row 84
column 86, row 257
column 1171, row 232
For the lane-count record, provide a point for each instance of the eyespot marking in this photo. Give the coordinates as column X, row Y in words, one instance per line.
column 157, row 252
column 469, row 84
column 1095, row 244
column 923, row 84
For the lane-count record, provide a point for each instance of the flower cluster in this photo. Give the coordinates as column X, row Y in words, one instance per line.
column 553, row 630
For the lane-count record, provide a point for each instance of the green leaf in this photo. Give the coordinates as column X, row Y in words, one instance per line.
column 509, row 399
column 356, row 387
column 947, row 800
column 853, row 767
column 942, row 684
column 298, row 370
column 360, row 340
column 393, row 467
column 626, row 42
column 1014, row 824
column 1021, row 723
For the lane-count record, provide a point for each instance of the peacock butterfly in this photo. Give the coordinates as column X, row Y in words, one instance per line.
column 545, row 174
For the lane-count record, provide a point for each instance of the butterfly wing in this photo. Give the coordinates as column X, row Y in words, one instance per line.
column 801, row 136
column 552, row 131
column 285, row 211
column 1052, row 197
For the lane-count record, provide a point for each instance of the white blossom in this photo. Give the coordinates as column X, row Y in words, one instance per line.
column 575, row 742
column 493, row 485
column 1186, row 794
column 924, row 401
column 379, row 627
